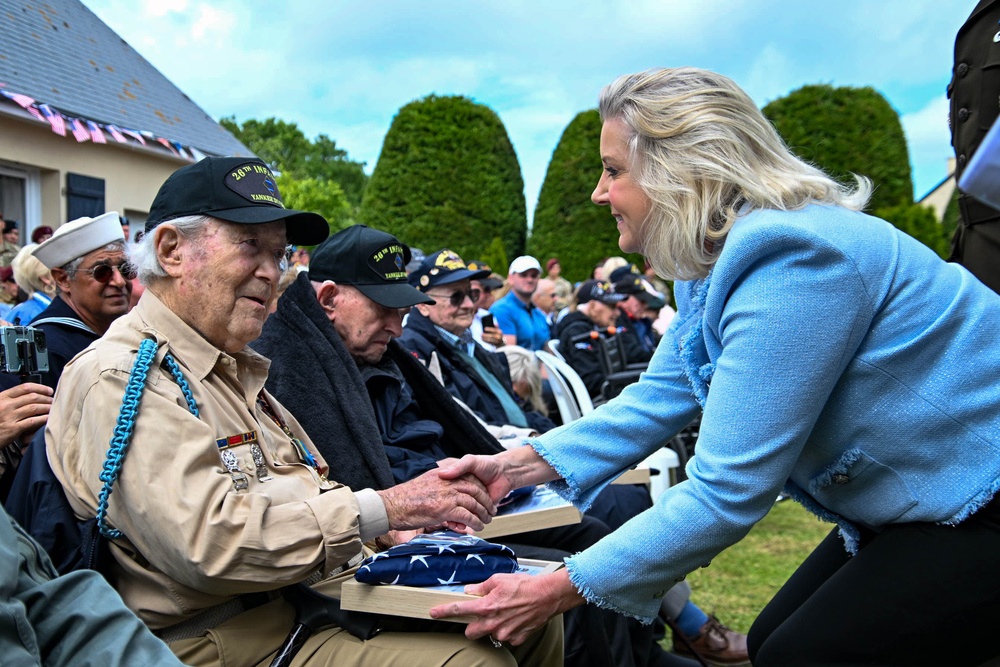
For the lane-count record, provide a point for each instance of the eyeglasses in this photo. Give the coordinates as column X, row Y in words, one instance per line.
column 103, row 273
column 457, row 298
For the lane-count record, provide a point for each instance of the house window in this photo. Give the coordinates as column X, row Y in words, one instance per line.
column 12, row 199
column 84, row 196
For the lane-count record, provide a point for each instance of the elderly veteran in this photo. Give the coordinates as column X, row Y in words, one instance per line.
column 92, row 276
column 222, row 500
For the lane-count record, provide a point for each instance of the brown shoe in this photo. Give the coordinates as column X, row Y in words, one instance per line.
column 716, row 644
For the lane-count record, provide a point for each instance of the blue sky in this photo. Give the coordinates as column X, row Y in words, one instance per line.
column 345, row 68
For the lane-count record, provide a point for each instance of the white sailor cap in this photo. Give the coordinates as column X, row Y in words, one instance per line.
column 77, row 238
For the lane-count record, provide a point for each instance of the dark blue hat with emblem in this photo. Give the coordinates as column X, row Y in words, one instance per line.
column 233, row 189
column 443, row 268
column 370, row 260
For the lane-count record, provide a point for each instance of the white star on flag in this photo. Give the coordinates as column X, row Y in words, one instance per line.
column 451, row 580
column 422, row 559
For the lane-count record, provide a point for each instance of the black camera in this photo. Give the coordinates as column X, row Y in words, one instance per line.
column 23, row 351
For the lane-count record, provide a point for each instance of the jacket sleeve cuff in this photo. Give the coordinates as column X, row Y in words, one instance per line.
column 372, row 518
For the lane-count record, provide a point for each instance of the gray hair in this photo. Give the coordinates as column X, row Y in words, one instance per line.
column 142, row 253
column 74, row 265
column 524, row 368
column 703, row 153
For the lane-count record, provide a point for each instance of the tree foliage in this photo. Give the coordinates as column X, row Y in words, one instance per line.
column 287, row 150
column 448, row 176
column 323, row 197
column 567, row 224
column 844, row 130
column 921, row 223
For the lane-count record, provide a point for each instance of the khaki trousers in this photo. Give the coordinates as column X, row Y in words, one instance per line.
column 252, row 638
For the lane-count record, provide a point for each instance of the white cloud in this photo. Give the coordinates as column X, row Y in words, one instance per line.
column 929, row 141
column 212, row 22
column 159, row 8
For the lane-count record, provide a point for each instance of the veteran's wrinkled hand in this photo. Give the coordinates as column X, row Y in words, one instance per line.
column 513, row 606
column 461, row 503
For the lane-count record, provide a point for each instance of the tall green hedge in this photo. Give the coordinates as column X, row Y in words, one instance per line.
column 847, row 130
column 567, row 224
column 448, row 176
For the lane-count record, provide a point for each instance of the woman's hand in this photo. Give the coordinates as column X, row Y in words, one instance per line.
column 501, row 473
column 513, row 605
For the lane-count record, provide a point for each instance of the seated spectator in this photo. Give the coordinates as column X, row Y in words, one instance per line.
column 93, row 281
column 490, row 337
column 8, row 292
column 35, row 280
column 439, row 332
column 223, row 500
column 11, row 238
column 522, row 323
column 594, row 312
column 544, row 299
column 634, row 327
column 525, row 377
column 41, row 234
column 564, row 288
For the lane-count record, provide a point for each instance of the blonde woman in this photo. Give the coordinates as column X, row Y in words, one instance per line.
column 35, row 279
column 831, row 356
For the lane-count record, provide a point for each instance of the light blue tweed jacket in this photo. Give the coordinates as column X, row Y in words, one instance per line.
column 834, row 357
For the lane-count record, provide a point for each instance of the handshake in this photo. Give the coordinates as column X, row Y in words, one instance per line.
column 461, row 494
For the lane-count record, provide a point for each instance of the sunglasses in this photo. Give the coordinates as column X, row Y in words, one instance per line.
column 457, row 298
column 103, row 273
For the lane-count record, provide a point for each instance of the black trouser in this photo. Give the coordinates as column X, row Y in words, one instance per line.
column 915, row 594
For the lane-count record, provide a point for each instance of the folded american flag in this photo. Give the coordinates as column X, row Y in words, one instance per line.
column 434, row 559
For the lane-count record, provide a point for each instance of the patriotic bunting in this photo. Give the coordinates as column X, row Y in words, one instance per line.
column 84, row 129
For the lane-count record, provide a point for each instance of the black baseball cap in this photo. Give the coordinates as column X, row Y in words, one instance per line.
column 595, row 290
column 370, row 260
column 443, row 268
column 233, row 189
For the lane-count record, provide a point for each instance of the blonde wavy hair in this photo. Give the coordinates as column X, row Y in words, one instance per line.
column 704, row 154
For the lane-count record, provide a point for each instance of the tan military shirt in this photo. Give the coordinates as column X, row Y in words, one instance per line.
column 197, row 533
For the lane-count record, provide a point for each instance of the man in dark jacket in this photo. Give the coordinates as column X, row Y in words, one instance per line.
column 975, row 103
column 596, row 310
column 438, row 334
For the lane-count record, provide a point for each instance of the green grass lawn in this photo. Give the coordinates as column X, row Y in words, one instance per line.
column 743, row 578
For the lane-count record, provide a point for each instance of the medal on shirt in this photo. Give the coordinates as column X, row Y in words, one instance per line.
column 259, row 463
column 232, row 464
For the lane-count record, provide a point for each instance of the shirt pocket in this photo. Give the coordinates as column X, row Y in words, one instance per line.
column 861, row 489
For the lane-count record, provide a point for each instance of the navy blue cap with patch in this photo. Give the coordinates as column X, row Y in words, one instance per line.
column 443, row 268
column 370, row 260
column 233, row 189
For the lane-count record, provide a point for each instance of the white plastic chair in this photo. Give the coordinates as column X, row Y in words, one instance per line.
column 568, row 408
column 580, row 393
column 553, row 345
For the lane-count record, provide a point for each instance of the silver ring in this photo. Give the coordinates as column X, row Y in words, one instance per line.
column 496, row 643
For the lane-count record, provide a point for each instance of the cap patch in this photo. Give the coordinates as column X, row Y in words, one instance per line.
column 255, row 183
column 388, row 263
column 449, row 260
